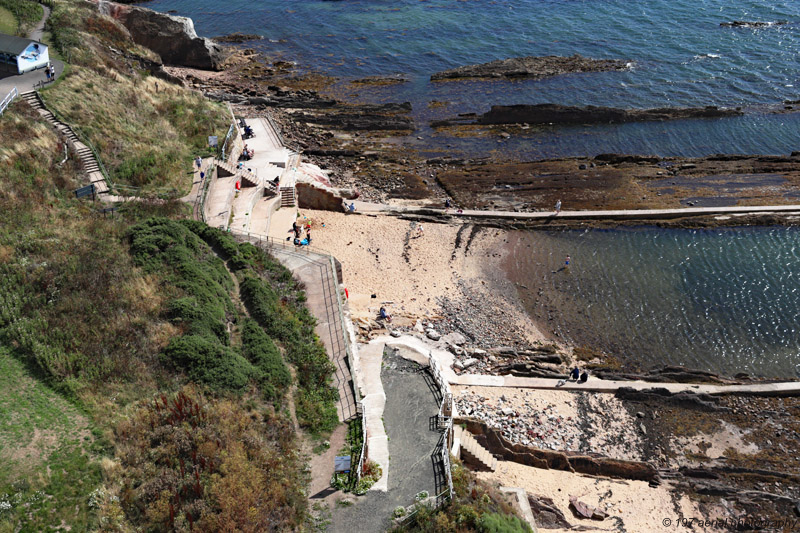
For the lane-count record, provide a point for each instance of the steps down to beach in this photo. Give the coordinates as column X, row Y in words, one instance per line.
column 226, row 169
column 288, row 198
column 473, row 453
column 87, row 158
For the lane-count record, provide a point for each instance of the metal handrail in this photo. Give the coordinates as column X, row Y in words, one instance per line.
column 360, row 468
column 85, row 140
column 223, row 151
column 13, row 93
column 307, row 251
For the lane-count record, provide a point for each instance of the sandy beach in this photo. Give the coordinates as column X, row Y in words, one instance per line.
column 631, row 505
column 443, row 271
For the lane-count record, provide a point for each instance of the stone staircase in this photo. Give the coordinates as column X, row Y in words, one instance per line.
column 88, row 160
column 288, row 198
column 229, row 169
column 473, row 453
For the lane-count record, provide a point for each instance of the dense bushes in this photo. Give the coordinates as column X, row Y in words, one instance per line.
column 209, row 362
column 274, row 378
column 191, row 463
column 182, row 250
column 316, row 397
column 499, row 523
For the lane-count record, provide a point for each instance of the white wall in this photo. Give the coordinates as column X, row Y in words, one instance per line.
column 32, row 58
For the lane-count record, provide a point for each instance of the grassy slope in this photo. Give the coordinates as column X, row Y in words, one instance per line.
column 8, row 22
column 24, row 16
column 145, row 138
column 94, row 321
column 46, row 449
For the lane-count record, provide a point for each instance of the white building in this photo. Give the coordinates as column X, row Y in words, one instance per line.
column 19, row 55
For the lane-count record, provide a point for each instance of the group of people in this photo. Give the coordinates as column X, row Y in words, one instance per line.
column 297, row 229
column 577, row 376
column 448, row 204
column 50, row 72
column 247, row 153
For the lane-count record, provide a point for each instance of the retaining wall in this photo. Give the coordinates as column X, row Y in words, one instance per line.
column 493, row 440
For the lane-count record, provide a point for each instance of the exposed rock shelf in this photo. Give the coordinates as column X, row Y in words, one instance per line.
column 560, row 114
column 533, row 67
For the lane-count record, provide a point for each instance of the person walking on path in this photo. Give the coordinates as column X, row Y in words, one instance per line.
column 566, row 262
column 52, row 70
column 558, row 206
column 199, row 162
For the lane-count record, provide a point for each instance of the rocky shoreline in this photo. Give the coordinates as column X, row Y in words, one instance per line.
column 556, row 114
column 531, row 67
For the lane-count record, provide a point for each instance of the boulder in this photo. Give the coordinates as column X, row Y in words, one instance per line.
column 171, row 37
column 433, row 335
column 455, row 338
column 469, row 362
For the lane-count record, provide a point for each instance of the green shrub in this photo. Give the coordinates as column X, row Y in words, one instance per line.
column 497, row 523
column 274, row 378
column 220, row 367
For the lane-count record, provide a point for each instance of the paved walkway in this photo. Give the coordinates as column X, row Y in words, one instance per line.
column 246, row 209
column 445, row 358
column 550, row 216
column 37, row 32
column 410, row 405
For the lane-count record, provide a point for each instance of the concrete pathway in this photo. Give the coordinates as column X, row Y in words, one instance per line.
column 249, row 205
column 368, row 376
column 550, row 216
column 445, row 358
column 409, row 407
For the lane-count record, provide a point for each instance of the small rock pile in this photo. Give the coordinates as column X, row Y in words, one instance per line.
column 541, row 428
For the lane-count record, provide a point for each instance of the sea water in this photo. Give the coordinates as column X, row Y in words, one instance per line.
column 726, row 300
column 678, row 54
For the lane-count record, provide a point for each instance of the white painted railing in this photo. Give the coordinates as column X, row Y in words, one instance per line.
column 4, row 103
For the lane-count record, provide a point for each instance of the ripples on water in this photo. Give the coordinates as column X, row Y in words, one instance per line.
column 681, row 56
column 723, row 299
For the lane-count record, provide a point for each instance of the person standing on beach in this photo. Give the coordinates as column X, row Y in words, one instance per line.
column 558, row 206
